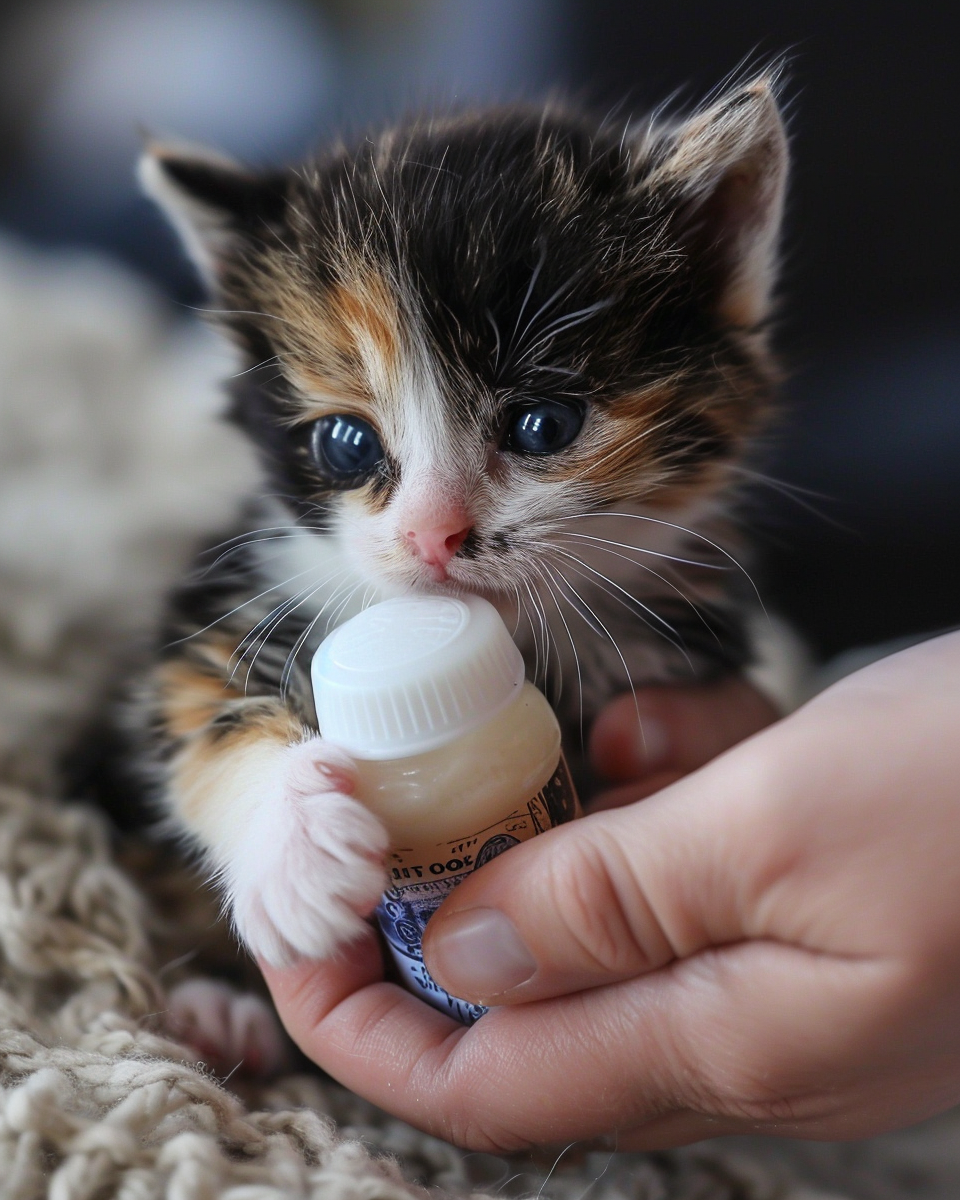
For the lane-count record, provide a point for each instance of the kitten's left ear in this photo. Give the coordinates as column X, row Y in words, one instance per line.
column 213, row 203
column 723, row 172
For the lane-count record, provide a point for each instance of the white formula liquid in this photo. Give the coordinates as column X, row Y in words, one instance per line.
column 457, row 754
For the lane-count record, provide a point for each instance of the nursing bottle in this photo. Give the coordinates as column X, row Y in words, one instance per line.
column 457, row 754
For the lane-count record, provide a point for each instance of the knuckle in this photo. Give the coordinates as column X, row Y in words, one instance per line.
column 485, row 1135
column 467, row 1102
column 596, row 901
column 720, row 1085
column 740, row 1096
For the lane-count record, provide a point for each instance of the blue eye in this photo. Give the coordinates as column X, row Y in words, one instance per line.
column 544, row 428
column 345, row 447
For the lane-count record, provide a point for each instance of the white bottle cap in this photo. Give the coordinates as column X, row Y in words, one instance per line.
column 412, row 673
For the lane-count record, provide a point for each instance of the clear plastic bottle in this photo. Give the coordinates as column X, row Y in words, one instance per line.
column 458, row 755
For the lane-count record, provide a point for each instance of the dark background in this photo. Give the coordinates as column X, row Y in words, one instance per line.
column 870, row 324
column 870, row 317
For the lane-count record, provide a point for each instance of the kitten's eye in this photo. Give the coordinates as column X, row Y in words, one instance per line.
column 345, row 447
column 544, row 428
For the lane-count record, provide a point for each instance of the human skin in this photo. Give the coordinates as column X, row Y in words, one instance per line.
column 770, row 944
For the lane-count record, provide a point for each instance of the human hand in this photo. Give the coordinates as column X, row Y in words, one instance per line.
column 771, row 944
column 682, row 727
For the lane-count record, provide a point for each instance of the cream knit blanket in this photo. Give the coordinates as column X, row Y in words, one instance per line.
column 109, row 465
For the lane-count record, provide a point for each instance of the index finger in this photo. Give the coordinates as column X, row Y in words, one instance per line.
column 674, row 729
column 398, row 1052
column 366, row 1032
column 533, row 1075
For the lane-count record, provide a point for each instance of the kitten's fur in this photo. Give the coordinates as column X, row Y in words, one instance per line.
column 437, row 280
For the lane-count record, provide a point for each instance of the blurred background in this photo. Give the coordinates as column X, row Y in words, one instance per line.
column 860, row 524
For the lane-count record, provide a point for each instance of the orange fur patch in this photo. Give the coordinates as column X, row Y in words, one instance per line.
column 261, row 722
column 627, row 451
column 190, row 698
column 344, row 343
column 619, row 444
column 218, row 724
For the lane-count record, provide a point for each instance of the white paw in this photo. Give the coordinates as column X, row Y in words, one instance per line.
column 309, row 866
column 227, row 1029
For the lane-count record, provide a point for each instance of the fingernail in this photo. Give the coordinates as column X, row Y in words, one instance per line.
column 478, row 954
column 653, row 742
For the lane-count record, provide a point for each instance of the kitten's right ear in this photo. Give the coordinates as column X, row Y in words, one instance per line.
column 214, row 204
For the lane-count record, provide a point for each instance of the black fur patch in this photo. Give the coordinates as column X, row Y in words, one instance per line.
column 533, row 249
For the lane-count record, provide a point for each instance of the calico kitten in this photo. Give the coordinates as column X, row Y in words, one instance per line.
column 515, row 352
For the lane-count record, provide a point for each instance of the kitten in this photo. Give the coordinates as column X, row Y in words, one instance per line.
column 516, row 352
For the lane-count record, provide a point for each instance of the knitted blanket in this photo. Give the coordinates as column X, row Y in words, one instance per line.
column 110, row 464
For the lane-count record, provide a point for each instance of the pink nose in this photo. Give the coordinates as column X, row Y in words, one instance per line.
column 437, row 544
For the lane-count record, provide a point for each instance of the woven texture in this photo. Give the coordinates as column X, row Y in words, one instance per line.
column 97, row 1102
column 109, row 466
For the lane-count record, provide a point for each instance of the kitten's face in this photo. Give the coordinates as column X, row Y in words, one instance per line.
column 466, row 334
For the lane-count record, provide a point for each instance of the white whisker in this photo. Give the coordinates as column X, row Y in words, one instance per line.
column 541, row 636
column 287, row 610
column 496, row 334
column 290, row 660
column 516, row 624
column 663, row 579
column 335, row 617
column 794, row 492
column 252, row 600
column 256, row 367
column 561, row 325
column 673, row 637
column 252, row 534
column 689, row 562
column 258, row 644
column 618, row 450
column 568, row 320
column 549, row 1174
column 279, row 611
column 566, row 372
column 551, row 636
column 680, row 529
column 613, row 641
column 781, row 485
column 238, row 312
column 584, row 616
column 239, row 545
column 548, row 303
column 573, row 645
column 536, row 644
column 623, row 591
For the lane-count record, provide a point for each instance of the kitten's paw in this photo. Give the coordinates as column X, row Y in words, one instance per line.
column 227, row 1029
column 310, row 865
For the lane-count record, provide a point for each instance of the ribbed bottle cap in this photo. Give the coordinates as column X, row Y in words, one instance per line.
column 413, row 673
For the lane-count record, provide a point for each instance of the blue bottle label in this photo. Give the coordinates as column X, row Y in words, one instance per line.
column 419, row 887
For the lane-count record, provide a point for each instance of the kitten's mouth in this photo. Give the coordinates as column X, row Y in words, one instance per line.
column 441, row 582
column 470, row 570
column 437, row 573
column 446, row 580
column 444, row 584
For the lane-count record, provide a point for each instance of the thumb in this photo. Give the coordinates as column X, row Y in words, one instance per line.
column 614, row 895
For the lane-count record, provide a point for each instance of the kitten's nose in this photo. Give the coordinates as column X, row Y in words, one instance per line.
column 436, row 544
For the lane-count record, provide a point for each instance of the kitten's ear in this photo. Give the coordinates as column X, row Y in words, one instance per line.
column 724, row 171
column 213, row 203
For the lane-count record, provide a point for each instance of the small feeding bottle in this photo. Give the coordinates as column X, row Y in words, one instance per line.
column 457, row 754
